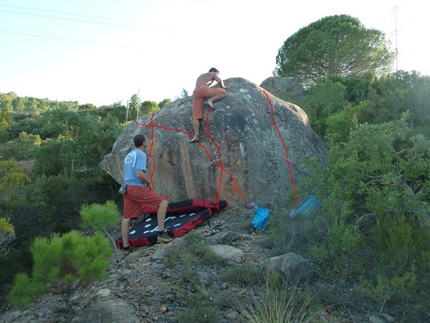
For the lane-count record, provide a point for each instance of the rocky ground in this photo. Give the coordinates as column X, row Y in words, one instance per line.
column 142, row 289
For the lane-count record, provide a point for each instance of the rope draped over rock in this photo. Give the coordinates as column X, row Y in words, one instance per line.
column 272, row 116
column 220, row 163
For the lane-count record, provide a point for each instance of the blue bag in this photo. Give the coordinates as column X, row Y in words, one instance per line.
column 308, row 209
column 260, row 219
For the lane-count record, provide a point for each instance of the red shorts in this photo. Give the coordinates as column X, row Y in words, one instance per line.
column 199, row 95
column 135, row 197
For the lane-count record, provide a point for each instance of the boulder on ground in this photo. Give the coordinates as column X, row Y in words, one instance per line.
column 251, row 148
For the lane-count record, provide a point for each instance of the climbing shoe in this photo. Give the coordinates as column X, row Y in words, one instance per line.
column 164, row 237
column 128, row 250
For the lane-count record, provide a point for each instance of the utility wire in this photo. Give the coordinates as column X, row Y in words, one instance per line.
column 81, row 41
column 74, row 14
column 84, row 21
column 93, row 22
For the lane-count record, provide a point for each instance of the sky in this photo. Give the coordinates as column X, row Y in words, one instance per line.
column 104, row 51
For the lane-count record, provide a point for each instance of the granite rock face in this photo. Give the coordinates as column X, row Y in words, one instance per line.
column 251, row 148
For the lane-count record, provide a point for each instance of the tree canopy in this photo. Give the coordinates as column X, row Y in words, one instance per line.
column 334, row 46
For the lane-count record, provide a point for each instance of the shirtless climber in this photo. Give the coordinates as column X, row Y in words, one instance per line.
column 203, row 91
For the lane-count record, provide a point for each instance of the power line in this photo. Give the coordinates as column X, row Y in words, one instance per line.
column 71, row 14
column 89, row 21
column 150, row 29
column 80, row 41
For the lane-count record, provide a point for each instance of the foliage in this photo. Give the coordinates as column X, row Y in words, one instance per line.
column 99, row 217
column 61, row 265
column 404, row 92
column 383, row 288
column 163, row 103
column 339, row 125
column 117, row 111
column 334, row 104
column 50, row 204
column 333, row 46
column 277, row 304
column 6, row 101
column 356, row 87
column 7, row 235
column 287, row 234
column 375, row 189
column 321, row 101
column 245, row 275
column 12, row 178
column 22, row 148
column 133, row 107
column 83, row 142
column 340, row 251
column 199, row 311
column 148, row 107
column 31, row 125
column 17, row 197
column 184, row 94
column 375, row 195
column 191, row 250
column 399, row 243
column 5, row 124
column 12, row 102
column 17, row 260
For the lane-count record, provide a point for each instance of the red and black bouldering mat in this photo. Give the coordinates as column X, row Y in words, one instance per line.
column 190, row 205
column 145, row 232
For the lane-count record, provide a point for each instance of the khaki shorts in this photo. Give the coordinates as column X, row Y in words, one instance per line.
column 199, row 95
column 135, row 197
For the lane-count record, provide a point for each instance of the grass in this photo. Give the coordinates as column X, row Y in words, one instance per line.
column 277, row 303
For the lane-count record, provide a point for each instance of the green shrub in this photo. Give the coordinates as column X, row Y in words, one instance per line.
column 277, row 304
column 192, row 250
column 285, row 234
column 245, row 275
column 375, row 190
column 400, row 243
column 199, row 313
column 7, row 235
column 385, row 287
column 62, row 264
column 100, row 217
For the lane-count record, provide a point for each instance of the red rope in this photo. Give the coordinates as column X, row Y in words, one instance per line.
column 219, row 165
column 216, row 201
column 272, row 115
column 150, row 151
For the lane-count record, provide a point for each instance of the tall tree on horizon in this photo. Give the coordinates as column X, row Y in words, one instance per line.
column 337, row 45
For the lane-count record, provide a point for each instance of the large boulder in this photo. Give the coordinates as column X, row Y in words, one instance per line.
column 249, row 151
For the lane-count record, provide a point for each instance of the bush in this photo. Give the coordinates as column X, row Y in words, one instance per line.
column 244, row 275
column 61, row 265
column 277, row 304
column 7, row 235
column 199, row 314
column 375, row 190
column 193, row 249
column 99, row 217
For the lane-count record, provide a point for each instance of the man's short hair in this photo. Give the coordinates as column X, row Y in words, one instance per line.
column 213, row 69
column 139, row 139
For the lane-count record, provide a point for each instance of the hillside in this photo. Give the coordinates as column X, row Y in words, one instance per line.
column 156, row 284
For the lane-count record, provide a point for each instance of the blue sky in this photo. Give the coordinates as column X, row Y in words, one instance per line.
column 102, row 52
